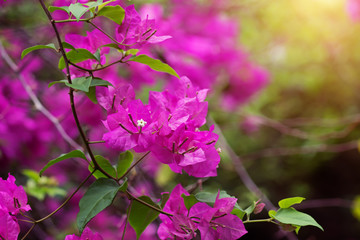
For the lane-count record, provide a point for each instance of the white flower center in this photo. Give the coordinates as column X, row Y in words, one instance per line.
column 141, row 123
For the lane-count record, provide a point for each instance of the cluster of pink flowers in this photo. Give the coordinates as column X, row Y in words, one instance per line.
column 204, row 47
column 168, row 127
column 215, row 222
column 13, row 201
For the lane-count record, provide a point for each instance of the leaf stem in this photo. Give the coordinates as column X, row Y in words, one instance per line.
column 147, row 204
column 94, row 142
column 260, row 220
column 96, row 69
column 136, row 163
column 75, row 20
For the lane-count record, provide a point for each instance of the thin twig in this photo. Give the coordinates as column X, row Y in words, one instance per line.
column 147, row 204
column 96, row 69
column 71, row 92
column 136, row 163
column 29, row 231
column 244, row 175
column 67, row 200
column 240, row 169
column 94, row 142
column 38, row 105
column 127, row 219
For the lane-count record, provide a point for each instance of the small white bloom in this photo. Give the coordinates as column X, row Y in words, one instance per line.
column 141, row 123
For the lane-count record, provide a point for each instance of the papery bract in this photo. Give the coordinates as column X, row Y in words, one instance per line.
column 87, row 234
column 213, row 222
column 13, row 197
column 9, row 228
column 134, row 32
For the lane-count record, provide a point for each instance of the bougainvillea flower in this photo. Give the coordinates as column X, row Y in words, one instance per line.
column 13, row 197
column 9, row 228
column 112, row 98
column 189, row 151
column 87, row 234
column 130, row 128
column 218, row 222
column 134, row 32
column 214, row 223
column 179, row 226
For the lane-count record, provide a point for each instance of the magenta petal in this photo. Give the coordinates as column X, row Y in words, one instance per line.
column 192, row 158
column 89, row 235
column 225, row 205
column 120, row 141
column 230, row 227
column 9, row 228
column 207, row 232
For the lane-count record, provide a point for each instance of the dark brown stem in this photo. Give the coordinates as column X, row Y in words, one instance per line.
column 127, row 219
column 29, row 231
column 71, row 92
column 136, row 163
column 93, row 142
column 130, row 196
column 96, row 69
column 109, row 36
column 67, row 200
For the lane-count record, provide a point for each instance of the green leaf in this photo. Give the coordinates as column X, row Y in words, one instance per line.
column 68, row 46
column 105, row 165
column 65, row 8
column 104, row 4
column 99, row 195
column 164, row 198
column 114, row 13
column 81, row 83
column 189, row 201
column 272, row 213
column 100, row 82
column 250, row 209
column 132, row 51
column 55, row 82
column 76, row 56
column 93, row 4
column 77, row 10
column 39, row 187
column 141, row 215
column 288, row 202
column 113, row 45
column 72, row 154
column 239, row 213
column 292, row 216
column 154, row 64
column 210, row 198
column 355, row 208
column 91, row 94
column 33, row 48
column 97, row 55
column 124, row 162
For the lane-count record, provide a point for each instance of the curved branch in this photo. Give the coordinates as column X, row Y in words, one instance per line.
column 38, row 105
